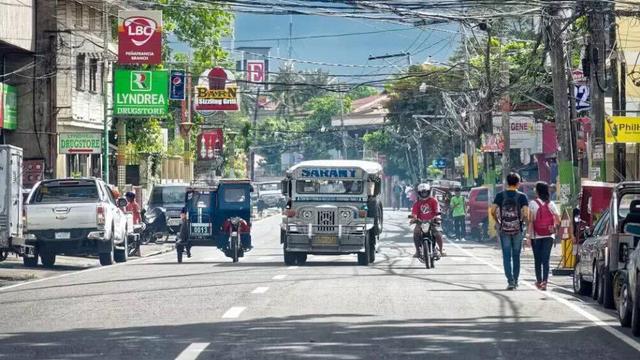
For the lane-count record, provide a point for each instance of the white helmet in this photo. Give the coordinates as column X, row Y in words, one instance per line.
column 424, row 190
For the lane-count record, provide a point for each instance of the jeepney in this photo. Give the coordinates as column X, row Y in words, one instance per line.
column 334, row 207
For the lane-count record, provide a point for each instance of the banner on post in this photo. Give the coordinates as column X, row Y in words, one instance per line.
column 177, row 85
column 621, row 129
column 8, row 107
column 140, row 37
column 210, row 144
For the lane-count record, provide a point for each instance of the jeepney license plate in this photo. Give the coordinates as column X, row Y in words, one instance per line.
column 173, row 222
column 63, row 235
column 325, row 240
column 200, row 229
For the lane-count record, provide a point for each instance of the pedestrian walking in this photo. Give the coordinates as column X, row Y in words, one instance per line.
column 458, row 212
column 510, row 210
column 544, row 219
column 397, row 196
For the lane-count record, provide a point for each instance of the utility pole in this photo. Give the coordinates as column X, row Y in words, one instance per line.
column 252, row 155
column 105, row 99
column 344, row 131
column 619, row 149
column 597, row 81
column 506, row 126
column 561, row 104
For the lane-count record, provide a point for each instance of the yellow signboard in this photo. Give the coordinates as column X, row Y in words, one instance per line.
column 622, row 129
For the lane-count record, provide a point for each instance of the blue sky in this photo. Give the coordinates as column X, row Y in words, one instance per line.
column 438, row 41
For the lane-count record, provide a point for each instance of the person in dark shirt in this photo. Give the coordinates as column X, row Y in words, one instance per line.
column 510, row 210
column 183, row 234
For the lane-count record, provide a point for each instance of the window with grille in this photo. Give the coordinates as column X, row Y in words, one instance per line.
column 80, row 63
column 93, row 75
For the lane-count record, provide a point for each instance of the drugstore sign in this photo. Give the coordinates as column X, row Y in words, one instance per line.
column 141, row 93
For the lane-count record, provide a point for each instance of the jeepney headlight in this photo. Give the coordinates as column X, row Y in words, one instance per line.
column 346, row 214
column 306, row 214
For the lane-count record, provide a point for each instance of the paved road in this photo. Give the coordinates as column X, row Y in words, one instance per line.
column 209, row 308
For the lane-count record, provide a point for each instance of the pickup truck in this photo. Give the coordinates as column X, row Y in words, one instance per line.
column 77, row 217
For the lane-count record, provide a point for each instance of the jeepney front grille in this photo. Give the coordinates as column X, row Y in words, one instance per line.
column 326, row 220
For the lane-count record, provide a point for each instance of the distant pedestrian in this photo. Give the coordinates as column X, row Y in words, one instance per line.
column 544, row 219
column 458, row 211
column 510, row 210
column 397, row 196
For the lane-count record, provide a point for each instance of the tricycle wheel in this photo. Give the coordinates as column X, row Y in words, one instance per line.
column 48, row 258
column 301, row 258
column 607, row 289
column 179, row 251
column 30, row 261
column 289, row 258
column 235, row 247
column 623, row 299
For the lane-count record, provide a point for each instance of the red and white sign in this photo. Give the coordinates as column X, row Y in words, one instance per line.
column 210, row 144
column 140, row 37
column 256, row 71
column 216, row 90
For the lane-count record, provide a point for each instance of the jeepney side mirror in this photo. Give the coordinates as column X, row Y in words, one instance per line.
column 284, row 184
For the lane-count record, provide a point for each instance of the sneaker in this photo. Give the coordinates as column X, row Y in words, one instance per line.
column 417, row 255
column 463, row 239
column 538, row 284
column 511, row 286
column 443, row 253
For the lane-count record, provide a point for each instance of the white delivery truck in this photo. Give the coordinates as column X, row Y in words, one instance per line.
column 11, row 216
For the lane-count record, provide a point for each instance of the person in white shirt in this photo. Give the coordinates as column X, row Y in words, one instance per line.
column 544, row 218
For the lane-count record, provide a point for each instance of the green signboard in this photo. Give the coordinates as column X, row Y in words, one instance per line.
column 141, row 93
column 9, row 99
column 80, row 143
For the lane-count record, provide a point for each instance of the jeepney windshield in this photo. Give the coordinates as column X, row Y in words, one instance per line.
column 329, row 186
column 625, row 204
column 269, row 187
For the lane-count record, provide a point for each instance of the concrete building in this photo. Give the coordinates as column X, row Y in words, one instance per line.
column 56, row 48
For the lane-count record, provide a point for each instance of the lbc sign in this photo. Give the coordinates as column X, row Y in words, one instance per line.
column 140, row 37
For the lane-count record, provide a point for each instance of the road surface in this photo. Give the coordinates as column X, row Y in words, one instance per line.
column 209, row 308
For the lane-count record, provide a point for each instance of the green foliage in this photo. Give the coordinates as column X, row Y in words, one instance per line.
column 361, row 92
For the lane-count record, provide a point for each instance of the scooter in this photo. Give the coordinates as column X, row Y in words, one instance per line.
column 154, row 224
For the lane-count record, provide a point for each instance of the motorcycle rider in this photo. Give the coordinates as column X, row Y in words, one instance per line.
column 133, row 207
column 426, row 208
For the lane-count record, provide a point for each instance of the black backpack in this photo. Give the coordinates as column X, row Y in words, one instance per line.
column 510, row 219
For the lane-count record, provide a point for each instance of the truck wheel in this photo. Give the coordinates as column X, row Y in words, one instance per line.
column 106, row 258
column 595, row 283
column 607, row 289
column 623, row 299
column 635, row 313
column 48, row 258
column 121, row 256
column 372, row 246
column 580, row 286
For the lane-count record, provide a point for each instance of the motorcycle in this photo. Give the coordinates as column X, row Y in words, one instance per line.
column 155, row 222
column 429, row 249
column 234, row 227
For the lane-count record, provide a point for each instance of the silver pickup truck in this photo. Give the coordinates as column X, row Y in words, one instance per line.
column 76, row 217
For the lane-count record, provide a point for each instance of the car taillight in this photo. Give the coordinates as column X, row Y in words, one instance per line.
column 24, row 217
column 100, row 215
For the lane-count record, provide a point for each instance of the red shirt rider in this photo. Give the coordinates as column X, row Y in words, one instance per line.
column 425, row 209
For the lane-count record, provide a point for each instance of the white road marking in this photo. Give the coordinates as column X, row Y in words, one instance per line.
column 234, row 312
column 594, row 319
column 292, row 267
column 279, row 277
column 192, row 351
column 260, row 290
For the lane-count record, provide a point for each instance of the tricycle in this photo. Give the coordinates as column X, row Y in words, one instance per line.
column 218, row 214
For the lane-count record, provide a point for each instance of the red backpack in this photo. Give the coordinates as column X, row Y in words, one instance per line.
column 544, row 224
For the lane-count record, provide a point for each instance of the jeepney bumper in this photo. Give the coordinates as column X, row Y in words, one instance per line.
column 343, row 240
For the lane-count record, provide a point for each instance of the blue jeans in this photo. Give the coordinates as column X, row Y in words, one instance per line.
column 541, row 254
column 511, row 246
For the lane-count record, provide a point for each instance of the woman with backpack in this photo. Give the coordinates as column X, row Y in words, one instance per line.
column 544, row 218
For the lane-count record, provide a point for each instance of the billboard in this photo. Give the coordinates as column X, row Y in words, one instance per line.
column 80, row 143
column 8, row 107
column 216, row 90
column 177, row 85
column 621, row 129
column 256, row 71
column 140, row 37
column 210, row 143
column 140, row 93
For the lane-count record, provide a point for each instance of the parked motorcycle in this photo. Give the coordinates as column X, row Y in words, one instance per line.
column 155, row 223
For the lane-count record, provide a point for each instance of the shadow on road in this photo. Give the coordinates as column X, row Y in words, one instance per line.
column 324, row 336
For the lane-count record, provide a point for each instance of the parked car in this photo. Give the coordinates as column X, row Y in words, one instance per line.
column 168, row 199
column 269, row 195
column 75, row 217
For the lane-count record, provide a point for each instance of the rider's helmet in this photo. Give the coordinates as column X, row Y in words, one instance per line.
column 130, row 195
column 424, row 190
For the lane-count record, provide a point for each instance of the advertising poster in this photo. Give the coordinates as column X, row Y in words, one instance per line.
column 140, row 37
column 216, row 90
column 9, row 100
column 141, row 93
column 210, row 144
column 619, row 129
column 177, row 81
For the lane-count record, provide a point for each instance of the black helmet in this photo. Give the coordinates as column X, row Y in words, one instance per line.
column 130, row 195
